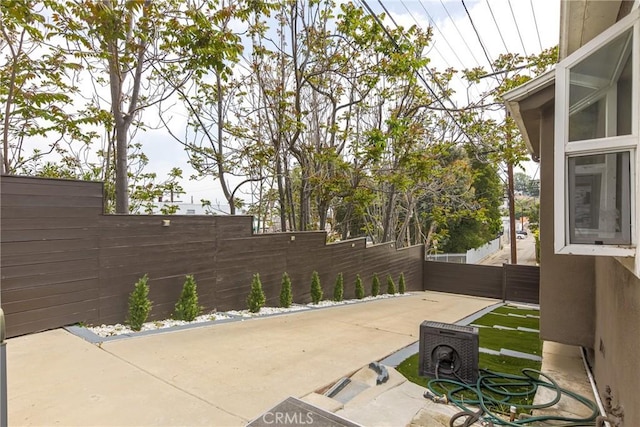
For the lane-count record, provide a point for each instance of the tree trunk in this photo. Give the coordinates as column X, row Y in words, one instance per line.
column 220, row 148
column 386, row 220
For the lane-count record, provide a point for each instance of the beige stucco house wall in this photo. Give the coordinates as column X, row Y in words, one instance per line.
column 590, row 301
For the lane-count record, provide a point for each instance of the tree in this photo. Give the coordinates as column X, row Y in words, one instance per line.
column 256, row 297
column 483, row 222
column 338, row 289
column 212, row 141
column 139, row 304
column 187, row 307
column 375, row 286
column 391, row 286
column 124, row 44
column 286, row 297
column 38, row 86
column 316, row 288
column 402, row 287
column 359, row 288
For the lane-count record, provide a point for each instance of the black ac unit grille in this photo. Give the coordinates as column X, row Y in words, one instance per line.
column 451, row 349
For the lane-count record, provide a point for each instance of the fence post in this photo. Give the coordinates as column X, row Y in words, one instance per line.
column 504, row 282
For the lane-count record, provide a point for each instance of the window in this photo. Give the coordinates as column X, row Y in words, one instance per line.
column 596, row 141
column 599, row 199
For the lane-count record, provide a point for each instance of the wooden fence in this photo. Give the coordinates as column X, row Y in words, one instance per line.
column 509, row 283
column 64, row 262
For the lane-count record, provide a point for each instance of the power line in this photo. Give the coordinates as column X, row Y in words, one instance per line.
column 517, row 28
column 486, row 54
column 418, row 74
column 535, row 21
column 433, row 23
column 435, row 47
column 459, row 33
column 506, row 49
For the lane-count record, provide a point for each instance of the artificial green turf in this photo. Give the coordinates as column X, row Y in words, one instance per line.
column 506, row 309
column 495, row 339
column 508, row 321
column 503, row 364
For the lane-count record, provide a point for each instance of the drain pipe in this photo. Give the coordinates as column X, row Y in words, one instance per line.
column 592, row 381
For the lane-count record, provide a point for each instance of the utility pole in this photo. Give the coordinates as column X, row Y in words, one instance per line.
column 512, row 215
column 511, row 191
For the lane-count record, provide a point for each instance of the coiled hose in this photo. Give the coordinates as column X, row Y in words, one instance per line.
column 494, row 390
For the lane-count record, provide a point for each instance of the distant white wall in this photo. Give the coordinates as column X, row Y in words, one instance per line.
column 475, row 255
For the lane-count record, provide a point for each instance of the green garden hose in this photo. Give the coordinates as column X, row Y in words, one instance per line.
column 493, row 392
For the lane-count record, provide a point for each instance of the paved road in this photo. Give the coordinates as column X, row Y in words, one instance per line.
column 526, row 253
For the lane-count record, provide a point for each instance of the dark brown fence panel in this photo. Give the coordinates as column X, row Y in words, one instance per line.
column 64, row 262
column 49, row 253
column 132, row 246
column 410, row 262
column 522, row 283
column 346, row 258
column 237, row 260
column 467, row 279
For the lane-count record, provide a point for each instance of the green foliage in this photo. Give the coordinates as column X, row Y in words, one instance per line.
column 286, row 296
column 359, row 288
column 536, row 236
column 475, row 227
column 316, row 289
column 375, row 286
column 391, row 286
column 256, row 298
column 187, row 307
column 338, row 289
column 139, row 304
column 402, row 287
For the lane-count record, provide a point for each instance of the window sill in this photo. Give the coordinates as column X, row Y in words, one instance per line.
column 598, row 250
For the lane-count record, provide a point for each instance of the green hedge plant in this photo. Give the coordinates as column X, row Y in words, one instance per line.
column 187, row 307
column 286, row 297
column 256, row 298
column 139, row 304
column 316, row 289
column 402, row 287
column 359, row 288
column 375, row 286
column 391, row 286
column 338, row 289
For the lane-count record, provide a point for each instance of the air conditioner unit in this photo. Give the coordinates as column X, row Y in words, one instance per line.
column 448, row 351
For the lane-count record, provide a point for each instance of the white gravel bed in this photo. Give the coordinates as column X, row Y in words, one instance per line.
column 266, row 311
column 119, row 329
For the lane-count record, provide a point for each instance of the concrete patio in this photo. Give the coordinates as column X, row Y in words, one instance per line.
column 224, row 374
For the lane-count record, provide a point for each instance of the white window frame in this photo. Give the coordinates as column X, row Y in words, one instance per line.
column 564, row 148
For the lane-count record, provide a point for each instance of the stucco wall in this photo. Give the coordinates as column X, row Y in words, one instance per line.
column 567, row 288
column 617, row 336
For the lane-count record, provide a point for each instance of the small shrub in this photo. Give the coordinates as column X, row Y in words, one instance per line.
column 286, row 297
column 256, row 298
column 402, row 287
column 375, row 286
column 359, row 288
column 187, row 307
column 338, row 289
column 391, row 287
column 316, row 289
column 139, row 304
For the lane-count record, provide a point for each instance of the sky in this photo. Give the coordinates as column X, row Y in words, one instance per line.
column 517, row 26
